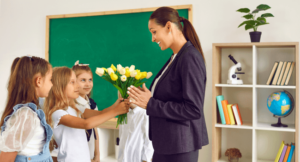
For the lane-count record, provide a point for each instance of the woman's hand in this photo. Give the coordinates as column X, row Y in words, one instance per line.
column 140, row 97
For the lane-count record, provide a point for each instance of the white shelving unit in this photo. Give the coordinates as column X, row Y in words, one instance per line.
column 257, row 140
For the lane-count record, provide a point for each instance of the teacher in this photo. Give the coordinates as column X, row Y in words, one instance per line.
column 175, row 104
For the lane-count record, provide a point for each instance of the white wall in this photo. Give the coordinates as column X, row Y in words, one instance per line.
column 22, row 29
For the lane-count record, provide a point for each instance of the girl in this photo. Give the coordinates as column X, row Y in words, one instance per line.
column 25, row 135
column 175, row 102
column 84, row 77
column 68, row 122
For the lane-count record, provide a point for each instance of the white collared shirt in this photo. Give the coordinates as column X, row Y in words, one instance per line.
column 135, row 145
column 157, row 79
column 82, row 104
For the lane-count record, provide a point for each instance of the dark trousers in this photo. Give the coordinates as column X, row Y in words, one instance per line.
column 181, row 157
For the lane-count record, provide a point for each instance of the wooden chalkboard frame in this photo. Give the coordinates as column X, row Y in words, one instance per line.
column 49, row 17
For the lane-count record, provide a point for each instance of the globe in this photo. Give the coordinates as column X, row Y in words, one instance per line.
column 280, row 104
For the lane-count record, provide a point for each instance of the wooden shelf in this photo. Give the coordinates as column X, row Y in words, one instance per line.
column 244, row 126
column 236, row 86
column 259, row 65
column 273, row 86
column 268, row 127
column 225, row 159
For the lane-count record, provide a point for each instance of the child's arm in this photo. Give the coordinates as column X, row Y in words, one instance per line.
column 75, row 122
column 8, row 156
column 90, row 113
column 97, row 150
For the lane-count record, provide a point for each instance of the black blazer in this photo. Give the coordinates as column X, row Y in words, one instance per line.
column 177, row 122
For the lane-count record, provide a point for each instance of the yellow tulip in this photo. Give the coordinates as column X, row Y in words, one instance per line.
column 113, row 67
column 138, row 76
column 144, row 75
column 138, row 71
column 127, row 73
column 113, row 76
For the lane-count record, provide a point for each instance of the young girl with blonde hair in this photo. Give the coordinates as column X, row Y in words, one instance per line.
column 68, row 122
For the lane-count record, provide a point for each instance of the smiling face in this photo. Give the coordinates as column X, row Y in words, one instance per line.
column 72, row 88
column 161, row 35
column 85, row 81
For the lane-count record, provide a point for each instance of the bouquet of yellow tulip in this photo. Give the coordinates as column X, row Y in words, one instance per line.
column 122, row 78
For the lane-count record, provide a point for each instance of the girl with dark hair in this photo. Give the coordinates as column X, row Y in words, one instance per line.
column 177, row 125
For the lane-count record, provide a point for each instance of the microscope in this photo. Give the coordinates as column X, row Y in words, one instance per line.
column 232, row 75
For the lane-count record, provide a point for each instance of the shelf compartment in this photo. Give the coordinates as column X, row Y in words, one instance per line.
column 272, row 55
column 265, row 116
column 231, row 138
column 110, row 158
column 225, row 159
column 268, row 143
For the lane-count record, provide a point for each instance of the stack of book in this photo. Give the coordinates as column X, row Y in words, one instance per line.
column 285, row 152
column 229, row 113
column 281, row 73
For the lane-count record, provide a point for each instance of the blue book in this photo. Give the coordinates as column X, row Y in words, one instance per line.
column 219, row 99
column 291, row 152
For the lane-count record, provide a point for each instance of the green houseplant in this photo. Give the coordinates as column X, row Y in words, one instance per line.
column 252, row 22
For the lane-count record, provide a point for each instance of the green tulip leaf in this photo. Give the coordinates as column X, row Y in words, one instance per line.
column 243, row 10
column 263, row 7
column 267, row 15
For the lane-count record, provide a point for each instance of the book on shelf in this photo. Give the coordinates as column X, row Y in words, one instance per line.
column 232, row 122
column 291, row 152
column 286, row 72
column 273, row 71
column 286, row 156
column 225, row 110
column 274, row 82
column 279, row 151
column 220, row 98
column 283, row 153
column 237, row 114
column 290, row 74
column 281, row 73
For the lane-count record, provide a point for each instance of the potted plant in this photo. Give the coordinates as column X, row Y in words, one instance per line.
column 252, row 22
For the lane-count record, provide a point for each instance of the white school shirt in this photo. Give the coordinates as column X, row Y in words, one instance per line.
column 72, row 143
column 28, row 142
column 82, row 104
column 157, row 79
column 135, row 145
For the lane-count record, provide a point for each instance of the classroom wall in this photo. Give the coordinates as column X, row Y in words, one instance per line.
column 22, row 30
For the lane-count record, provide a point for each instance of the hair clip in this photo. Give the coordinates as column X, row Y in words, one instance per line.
column 77, row 63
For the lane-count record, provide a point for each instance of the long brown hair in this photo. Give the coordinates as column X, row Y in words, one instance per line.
column 164, row 14
column 21, row 86
column 12, row 68
column 80, row 69
column 57, row 99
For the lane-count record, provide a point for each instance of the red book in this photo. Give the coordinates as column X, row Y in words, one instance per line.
column 224, row 105
column 238, row 109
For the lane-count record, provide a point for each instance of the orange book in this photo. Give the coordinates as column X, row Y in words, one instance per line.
column 238, row 109
column 287, row 153
column 224, row 105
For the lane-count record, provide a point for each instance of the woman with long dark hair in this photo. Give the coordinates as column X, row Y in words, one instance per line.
column 175, row 103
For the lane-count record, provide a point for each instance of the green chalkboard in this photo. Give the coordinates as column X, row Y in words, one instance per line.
column 104, row 40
